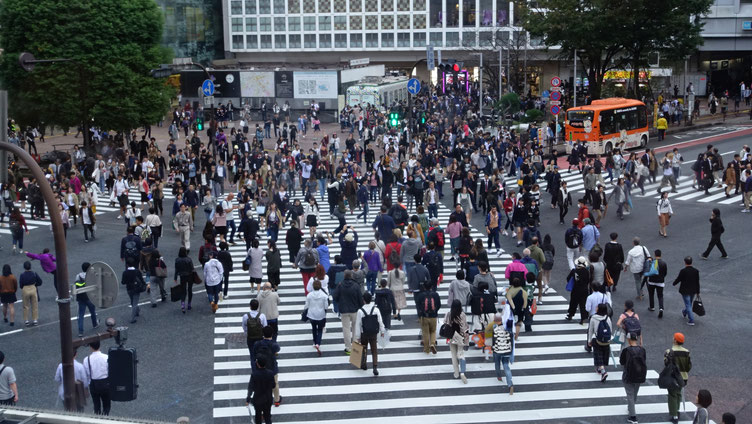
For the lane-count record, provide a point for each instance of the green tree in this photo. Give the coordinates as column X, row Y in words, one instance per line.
column 584, row 27
column 113, row 44
column 671, row 27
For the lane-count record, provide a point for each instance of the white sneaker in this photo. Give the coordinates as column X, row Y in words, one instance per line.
column 545, row 289
column 498, row 253
column 504, row 233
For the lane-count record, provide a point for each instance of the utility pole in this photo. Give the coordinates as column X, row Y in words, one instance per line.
column 574, row 97
column 4, row 136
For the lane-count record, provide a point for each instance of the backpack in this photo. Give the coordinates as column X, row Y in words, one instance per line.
column 145, row 232
column 370, row 323
column 670, row 377
column 549, row 255
column 131, row 249
column 439, row 237
column 502, row 340
column 484, row 303
column 309, row 259
column 254, row 327
column 432, row 263
column 572, row 238
column 394, row 257
column 400, row 215
column 636, row 368
column 652, row 268
column 631, row 324
column 426, row 303
column 15, row 225
column 603, row 333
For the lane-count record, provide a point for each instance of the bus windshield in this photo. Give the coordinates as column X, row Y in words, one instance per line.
column 577, row 117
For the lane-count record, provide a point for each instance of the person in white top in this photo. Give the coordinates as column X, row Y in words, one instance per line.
column 120, row 192
column 229, row 206
column 213, row 273
column 96, row 372
column 315, row 306
column 635, row 260
column 80, row 375
column 665, row 211
column 368, row 339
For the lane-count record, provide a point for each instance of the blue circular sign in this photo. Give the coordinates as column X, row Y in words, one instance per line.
column 413, row 86
column 545, row 93
column 208, row 87
column 555, row 110
column 556, row 96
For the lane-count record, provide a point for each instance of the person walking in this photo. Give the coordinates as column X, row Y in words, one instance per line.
column 573, row 241
column 213, row 274
column 656, row 283
column 8, row 289
column 79, row 376
column 255, row 269
column 368, row 326
column 268, row 349
column 665, row 212
column 396, row 283
column 679, row 356
column 184, row 271
column 384, row 300
column 29, row 281
column 269, row 306
column 17, row 225
column 134, row 284
column 184, row 226
column 348, row 297
column 260, row 388
column 689, row 286
column 315, row 306
column 716, row 229
column 578, row 297
column 84, row 302
column 306, row 260
column 8, row 385
column 225, row 258
column 599, row 339
column 428, row 303
column 613, row 257
column 456, row 318
column 703, row 402
column 273, row 264
column 634, row 363
column 635, row 262
column 96, row 370
column 253, row 324
column 503, row 346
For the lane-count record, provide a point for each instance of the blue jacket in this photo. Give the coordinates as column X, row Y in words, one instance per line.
column 384, row 224
column 363, row 194
column 590, row 236
column 488, row 219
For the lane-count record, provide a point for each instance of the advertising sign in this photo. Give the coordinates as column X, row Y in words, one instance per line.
column 257, row 84
column 283, row 84
column 315, row 84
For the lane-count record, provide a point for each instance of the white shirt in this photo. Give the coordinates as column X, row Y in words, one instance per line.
column 120, row 187
column 359, row 319
column 228, row 205
column 213, row 272
column 636, row 258
column 95, row 367
column 146, row 166
column 253, row 314
column 316, row 302
column 78, row 372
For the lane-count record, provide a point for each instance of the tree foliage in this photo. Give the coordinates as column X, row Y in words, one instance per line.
column 113, row 44
column 608, row 34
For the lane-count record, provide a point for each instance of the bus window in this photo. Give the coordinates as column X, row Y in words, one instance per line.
column 577, row 117
column 642, row 117
column 632, row 123
column 607, row 122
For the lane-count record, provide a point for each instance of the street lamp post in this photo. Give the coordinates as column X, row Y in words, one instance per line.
column 480, row 104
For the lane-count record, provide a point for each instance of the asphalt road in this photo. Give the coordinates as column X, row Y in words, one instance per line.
column 175, row 350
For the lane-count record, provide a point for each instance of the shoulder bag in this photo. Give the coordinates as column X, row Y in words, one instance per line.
column 698, row 307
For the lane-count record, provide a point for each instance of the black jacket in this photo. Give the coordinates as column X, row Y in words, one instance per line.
column 260, row 387
column 716, row 227
column 613, row 255
column 348, row 297
column 627, row 354
column 662, row 271
column 132, row 279
column 689, row 280
column 426, row 297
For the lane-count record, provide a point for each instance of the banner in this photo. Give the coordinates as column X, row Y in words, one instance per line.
column 315, row 84
column 257, row 84
column 283, row 84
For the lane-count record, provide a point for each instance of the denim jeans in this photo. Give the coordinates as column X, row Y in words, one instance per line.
column 317, row 327
column 494, row 236
column 407, row 268
column 688, row 298
column 322, row 188
column 17, row 237
column 82, row 306
column 231, row 224
column 502, row 359
column 371, row 278
column 364, row 214
column 134, row 306
column 433, row 210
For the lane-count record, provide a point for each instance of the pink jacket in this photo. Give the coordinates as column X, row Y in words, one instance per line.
column 516, row 265
column 75, row 184
column 46, row 259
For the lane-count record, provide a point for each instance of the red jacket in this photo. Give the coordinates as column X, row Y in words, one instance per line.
column 582, row 213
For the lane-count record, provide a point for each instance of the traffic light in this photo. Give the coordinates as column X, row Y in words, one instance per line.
column 393, row 119
column 423, row 118
column 451, row 65
column 199, row 123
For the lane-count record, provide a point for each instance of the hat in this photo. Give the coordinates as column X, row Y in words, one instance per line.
column 581, row 261
column 586, row 221
column 349, row 237
column 575, row 221
column 679, row 338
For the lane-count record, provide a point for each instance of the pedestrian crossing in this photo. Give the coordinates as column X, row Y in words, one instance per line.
column 553, row 376
column 684, row 189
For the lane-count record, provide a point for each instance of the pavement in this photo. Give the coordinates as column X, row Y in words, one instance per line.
column 196, row 382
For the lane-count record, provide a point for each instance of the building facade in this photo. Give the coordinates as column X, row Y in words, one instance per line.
column 193, row 28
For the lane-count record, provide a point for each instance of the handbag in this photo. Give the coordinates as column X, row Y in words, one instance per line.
column 607, row 278
column 196, row 278
column 304, row 315
column 161, row 269
column 446, row 331
column 176, row 293
column 247, row 263
column 618, row 336
column 570, row 284
column 697, row 306
column 357, row 355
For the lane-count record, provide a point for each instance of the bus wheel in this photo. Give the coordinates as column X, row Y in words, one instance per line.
column 643, row 141
column 609, row 149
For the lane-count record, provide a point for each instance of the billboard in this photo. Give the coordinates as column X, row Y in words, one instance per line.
column 283, row 84
column 227, row 83
column 257, row 84
column 315, row 84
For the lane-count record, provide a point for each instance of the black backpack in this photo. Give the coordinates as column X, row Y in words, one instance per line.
column 370, row 323
column 309, row 259
column 131, row 248
column 483, row 303
column 254, row 327
column 636, row 367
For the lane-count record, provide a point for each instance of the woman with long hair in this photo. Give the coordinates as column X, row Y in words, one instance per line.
column 396, row 283
column 315, row 304
column 457, row 319
column 17, row 224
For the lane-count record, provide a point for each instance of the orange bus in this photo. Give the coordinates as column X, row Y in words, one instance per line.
column 608, row 124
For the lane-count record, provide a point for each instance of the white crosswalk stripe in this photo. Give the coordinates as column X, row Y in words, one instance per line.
column 550, row 373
